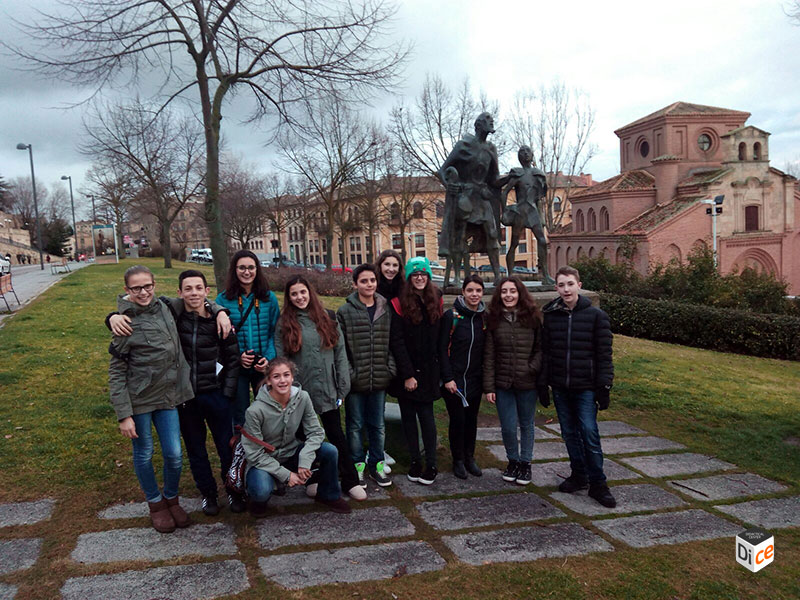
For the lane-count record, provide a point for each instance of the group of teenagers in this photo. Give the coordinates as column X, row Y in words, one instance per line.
column 186, row 365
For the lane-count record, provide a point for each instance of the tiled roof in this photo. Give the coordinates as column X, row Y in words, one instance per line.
column 687, row 108
column 653, row 217
column 630, row 180
column 703, row 177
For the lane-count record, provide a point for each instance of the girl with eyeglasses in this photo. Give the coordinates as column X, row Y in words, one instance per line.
column 254, row 313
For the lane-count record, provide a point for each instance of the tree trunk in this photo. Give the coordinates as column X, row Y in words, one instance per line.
column 329, row 236
column 403, row 252
column 212, row 116
column 166, row 243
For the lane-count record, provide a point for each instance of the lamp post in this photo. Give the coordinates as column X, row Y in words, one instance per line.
column 29, row 148
column 714, row 209
column 94, row 214
column 72, row 205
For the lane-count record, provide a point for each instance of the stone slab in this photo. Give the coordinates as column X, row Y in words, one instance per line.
column 7, row 592
column 447, row 484
column 350, row 565
column 487, row 510
column 19, row 554
column 667, row 528
column 669, row 465
column 550, row 474
column 525, row 544
column 133, row 510
column 541, row 451
column 722, row 487
column 296, row 496
column 493, row 434
column 328, row 527
column 630, row 498
column 607, row 428
column 26, row 513
column 631, row 445
column 187, row 582
column 774, row 513
column 148, row 544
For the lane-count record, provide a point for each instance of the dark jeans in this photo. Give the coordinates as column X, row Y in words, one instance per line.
column 463, row 424
column 260, row 484
column 577, row 415
column 410, row 412
column 215, row 409
column 248, row 379
column 332, row 424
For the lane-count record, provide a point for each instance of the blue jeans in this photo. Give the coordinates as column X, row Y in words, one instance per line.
column 169, row 437
column 361, row 408
column 577, row 415
column 516, row 408
column 260, row 484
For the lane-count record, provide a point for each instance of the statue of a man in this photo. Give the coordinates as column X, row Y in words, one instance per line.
column 530, row 187
column 472, row 203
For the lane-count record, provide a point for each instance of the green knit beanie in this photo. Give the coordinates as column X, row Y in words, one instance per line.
column 419, row 264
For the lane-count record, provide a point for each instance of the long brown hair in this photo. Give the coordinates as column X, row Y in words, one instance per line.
column 233, row 288
column 395, row 286
column 528, row 312
column 290, row 331
column 431, row 300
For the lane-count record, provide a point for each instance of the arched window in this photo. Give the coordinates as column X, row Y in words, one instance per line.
column 757, row 151
column 591, row 252
column 620, row 256
column 591, row 217
column 674, row 253
column 559, row 264
column 581, row 253
column 568, row 256
column 604, row 221
column 579, row 223
column 742, row 151
column 394, row 212
column 557, row 204
column 417, row 210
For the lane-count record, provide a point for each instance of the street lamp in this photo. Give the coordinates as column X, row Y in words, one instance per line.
column 94, row 214
column 29, row 148
column 714, row 209
column 72, row 204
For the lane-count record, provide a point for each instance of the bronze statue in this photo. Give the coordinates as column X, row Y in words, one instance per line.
column 530, row 187
column 471, row 220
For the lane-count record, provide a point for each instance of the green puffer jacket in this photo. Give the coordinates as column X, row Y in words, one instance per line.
column 512, row 355
column 372, row 364
column 148, row 370
column 268, row 421
column 323, row 373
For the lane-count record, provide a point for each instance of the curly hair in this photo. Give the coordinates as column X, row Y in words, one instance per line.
column 233, row 288
column 528, row 312
column 431, row 298
column 289, row 326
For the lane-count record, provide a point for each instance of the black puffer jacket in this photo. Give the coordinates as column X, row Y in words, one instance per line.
column 416, row 352
column 512, row 357
column 577, row 346
column 203, row 348
column 461, row 341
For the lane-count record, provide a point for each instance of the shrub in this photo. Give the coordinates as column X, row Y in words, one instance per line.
column 327, row 283
column 722, row 329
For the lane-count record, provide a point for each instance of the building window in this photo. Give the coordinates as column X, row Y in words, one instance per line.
column 522, row 248
column 417, row 210
column 557, row 204
column 751, row 218
column 579, row 222
column 394, row 212
column 757, row 151
column 704, row 142
column 421, row 253
column 644, row 149
column 592, row 218
column 604, row 224
column 397, row 243
column 419, row 240
column 439, row 209
column 742, row 151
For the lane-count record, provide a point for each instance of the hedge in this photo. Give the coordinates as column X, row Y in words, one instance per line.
column 722, row 329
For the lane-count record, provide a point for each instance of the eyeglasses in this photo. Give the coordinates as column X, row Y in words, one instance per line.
column 418, row 275
column 138, row 289
column 244, row 268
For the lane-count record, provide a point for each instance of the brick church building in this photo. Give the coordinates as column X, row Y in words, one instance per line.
column 670, row 161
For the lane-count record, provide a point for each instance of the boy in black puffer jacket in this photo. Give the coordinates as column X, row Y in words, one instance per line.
column 577, row 345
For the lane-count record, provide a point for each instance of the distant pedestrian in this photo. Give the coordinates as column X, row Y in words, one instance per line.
column 48, row 259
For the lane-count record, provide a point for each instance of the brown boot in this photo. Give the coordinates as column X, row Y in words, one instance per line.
column 160, row 516
column 178, row 514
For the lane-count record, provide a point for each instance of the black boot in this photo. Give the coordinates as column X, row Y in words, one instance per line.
column 258, row 509
column 236, row 503
column 602, row 494
column 573, row 483
column 210, row 505
column 472, row 467
column 459, row 470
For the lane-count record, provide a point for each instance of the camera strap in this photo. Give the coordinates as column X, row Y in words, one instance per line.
column 247, row 312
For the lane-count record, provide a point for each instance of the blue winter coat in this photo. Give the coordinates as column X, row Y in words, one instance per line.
column 258, row 331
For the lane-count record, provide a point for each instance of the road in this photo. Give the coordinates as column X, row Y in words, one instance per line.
column 29, row 281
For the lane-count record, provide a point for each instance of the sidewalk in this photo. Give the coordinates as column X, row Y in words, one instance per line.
column 29, row 281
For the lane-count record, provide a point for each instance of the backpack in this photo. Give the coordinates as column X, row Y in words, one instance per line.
column 234, row 478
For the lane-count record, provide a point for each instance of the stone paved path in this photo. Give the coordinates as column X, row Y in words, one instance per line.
column 665, row 495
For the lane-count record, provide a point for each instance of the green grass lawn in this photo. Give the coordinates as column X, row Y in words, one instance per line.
column 58, row 438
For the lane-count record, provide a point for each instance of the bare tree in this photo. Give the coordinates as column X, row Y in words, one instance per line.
column 557, row 123
column 439, row 117
column 280, row 200
column 162, row 153
column 326, row 152
column 280, row 51
column 301, row 211
column 20, row 202
column 113, row 186
column 365, row 195
column 3, row 194
column 243, row 199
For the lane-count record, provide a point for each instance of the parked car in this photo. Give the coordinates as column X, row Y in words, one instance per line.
column 488, row 269
column 435, row 266
column 5, row 266
column 319, row 267
column 339, row 269
column 523, row 271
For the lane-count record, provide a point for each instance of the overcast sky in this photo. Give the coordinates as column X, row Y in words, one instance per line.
column 632, row 58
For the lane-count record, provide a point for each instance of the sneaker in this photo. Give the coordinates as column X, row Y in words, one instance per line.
column 339, row 505
column 459, row 470
column 428, row 475
column 414, row 471
column 388, row 459
column 357, row 493
column 360, row 469
column 311, row 490
column 472, row 467
column 210, row 506
column 236, row 503
column 602, row 494
column 523, row 473
column 573, row 483
column 510, row 474
column 378, row 475
column 386, row 468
